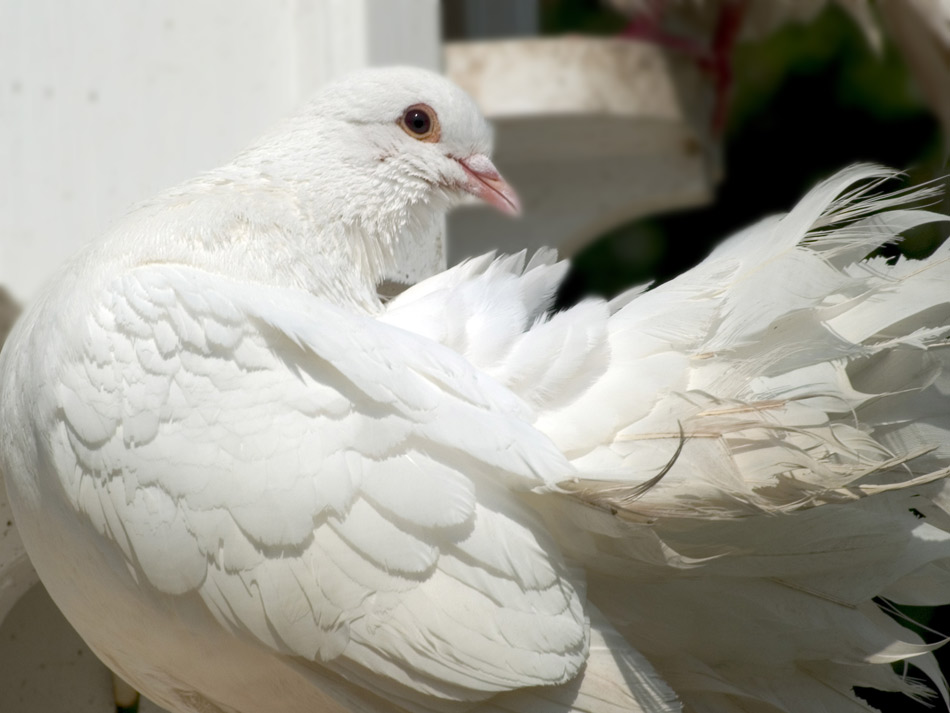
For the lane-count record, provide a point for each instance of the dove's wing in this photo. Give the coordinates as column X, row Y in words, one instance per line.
column 335, row 488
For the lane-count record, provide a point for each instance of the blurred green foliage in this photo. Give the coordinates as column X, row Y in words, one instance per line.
column 581, row 16
column 807, row 101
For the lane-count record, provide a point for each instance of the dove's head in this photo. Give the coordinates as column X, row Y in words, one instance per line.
column 375, row 161
column 426, row 128
column 381, row 139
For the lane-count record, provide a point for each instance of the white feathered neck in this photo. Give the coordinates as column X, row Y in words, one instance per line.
column 334, row 200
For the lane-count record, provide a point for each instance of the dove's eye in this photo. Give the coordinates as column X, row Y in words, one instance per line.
column 420, row 122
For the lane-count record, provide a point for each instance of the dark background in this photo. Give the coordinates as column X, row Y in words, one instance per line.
column 807, row 101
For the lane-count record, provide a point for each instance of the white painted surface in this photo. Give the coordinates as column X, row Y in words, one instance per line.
column 592, row 132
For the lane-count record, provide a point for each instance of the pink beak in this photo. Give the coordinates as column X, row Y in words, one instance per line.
column 486, row 183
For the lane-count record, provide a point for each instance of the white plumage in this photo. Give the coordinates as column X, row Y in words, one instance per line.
column 251, row 485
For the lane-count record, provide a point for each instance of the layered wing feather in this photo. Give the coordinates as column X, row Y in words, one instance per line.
column 337, row 489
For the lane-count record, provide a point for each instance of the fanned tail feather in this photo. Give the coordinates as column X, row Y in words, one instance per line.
column 761, row 450
column 811, row 386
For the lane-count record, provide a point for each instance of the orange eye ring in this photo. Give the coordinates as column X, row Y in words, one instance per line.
column 421, row 123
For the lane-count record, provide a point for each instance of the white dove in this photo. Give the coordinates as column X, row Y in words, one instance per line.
column 252, row 486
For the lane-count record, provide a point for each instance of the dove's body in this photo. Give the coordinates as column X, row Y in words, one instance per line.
column 251, row 486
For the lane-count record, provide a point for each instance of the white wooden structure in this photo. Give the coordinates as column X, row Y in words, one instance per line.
column 105, row 102
column 592, row 133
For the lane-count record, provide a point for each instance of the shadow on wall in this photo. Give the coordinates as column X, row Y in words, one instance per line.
column 9, row 311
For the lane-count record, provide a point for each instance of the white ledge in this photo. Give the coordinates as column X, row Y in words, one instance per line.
column 592, row 132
